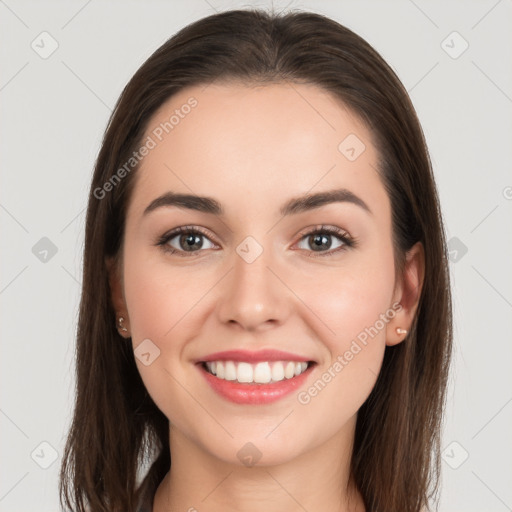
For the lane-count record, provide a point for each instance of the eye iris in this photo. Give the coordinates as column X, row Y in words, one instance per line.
column 318, row 240
column 190, row 240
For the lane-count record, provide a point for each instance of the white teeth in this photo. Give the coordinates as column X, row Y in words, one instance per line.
column 278, row 371
column 230, row 371
column 289, row 370
column 212, row 367
column 260, row 373
column 220, row 370
column 244, row 372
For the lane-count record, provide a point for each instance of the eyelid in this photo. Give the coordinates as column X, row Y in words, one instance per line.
column 324, row 227
column 186, row 229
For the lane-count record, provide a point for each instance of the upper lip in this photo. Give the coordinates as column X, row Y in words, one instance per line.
column 253, row 356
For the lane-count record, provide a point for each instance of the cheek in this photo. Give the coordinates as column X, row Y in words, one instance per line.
column 163, row 302
column 159, row 296
column 350, row 306
column 158, row 306
column 350, row 300
column 356, row 311
column 353, row 309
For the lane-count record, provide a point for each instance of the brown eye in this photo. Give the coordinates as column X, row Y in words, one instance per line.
column 325, row 240
column 189, row 242
column 185, row 240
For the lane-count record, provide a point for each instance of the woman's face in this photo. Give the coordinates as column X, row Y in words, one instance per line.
column 256, row 277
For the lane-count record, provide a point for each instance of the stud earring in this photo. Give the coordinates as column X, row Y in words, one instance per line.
column 120, row 321
column 401, row 331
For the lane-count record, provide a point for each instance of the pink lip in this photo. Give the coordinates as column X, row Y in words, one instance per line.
column 253, row 357
column 254, row 394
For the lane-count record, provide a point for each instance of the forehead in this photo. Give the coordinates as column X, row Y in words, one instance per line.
column 266, row 142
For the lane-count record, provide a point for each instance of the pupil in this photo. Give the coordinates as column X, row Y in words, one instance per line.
column 319, row 239
column 188, row 241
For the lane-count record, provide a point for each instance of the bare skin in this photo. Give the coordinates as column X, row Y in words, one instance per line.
column 252, row 149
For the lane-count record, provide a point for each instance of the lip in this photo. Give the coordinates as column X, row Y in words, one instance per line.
column 253, row 393
column 253, row 356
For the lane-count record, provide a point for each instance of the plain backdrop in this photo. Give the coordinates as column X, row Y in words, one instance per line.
column 63, row 66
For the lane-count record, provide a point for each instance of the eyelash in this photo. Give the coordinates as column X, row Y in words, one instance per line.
column 348, row 241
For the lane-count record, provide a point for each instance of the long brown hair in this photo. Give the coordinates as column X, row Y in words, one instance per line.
column 116, row 425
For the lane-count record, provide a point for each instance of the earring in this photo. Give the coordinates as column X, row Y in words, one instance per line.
column 401, row 331
column 120, row 321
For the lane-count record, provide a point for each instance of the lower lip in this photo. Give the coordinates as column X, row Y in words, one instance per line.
column 254, row 394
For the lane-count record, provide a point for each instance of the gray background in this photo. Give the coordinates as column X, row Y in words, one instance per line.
column 54, row 111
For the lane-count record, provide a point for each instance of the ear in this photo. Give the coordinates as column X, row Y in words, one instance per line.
column 407, row 293
column 114, row 269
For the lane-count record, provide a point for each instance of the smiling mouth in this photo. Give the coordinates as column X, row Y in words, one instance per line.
column 264, row 372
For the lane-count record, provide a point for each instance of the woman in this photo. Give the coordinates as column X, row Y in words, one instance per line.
column 266, row 298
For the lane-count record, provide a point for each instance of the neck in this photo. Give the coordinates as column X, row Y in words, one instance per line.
column 315, row 480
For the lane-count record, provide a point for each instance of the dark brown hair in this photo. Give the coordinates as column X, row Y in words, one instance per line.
column 116, row 425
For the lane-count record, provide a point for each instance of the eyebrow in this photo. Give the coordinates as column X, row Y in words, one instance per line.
column 291, row 207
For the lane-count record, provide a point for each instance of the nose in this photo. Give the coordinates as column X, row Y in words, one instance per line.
column 253, row 296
